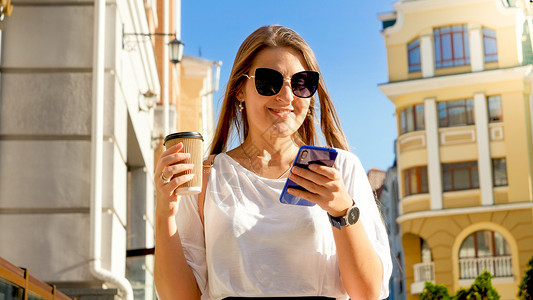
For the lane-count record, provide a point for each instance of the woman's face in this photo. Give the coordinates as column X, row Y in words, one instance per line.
column 278, row 115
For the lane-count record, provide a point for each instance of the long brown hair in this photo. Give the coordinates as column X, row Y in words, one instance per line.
column 230, row 117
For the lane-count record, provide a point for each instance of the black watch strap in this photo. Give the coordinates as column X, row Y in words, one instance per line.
column 351, row 217
column 337, row 222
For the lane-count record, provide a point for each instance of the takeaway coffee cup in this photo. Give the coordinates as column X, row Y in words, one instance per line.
column 192, row 142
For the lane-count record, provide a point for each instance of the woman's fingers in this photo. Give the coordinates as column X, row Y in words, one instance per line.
column 169, row 157
column 174, row 158
column 173, row 149
column 169, row 175
column 173, row 184
column 305, row 179
column 172, row 170
column 324, row 186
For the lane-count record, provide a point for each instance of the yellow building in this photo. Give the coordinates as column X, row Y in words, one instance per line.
column 460, row 77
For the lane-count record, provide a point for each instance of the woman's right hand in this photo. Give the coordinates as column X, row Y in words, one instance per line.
column 171, row 163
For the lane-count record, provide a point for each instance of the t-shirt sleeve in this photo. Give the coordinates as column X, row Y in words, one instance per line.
column 359, row 188
column 191, row 233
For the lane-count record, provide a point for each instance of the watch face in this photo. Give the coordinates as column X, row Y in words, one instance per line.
column 353, row 215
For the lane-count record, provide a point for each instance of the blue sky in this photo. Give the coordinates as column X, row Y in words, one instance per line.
column 347, row 41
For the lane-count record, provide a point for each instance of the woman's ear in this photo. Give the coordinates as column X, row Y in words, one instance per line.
column 240, row 95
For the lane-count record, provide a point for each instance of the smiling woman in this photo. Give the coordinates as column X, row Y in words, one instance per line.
column 244, row 242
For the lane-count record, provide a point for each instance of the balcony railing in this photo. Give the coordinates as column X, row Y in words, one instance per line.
column 424, row 272
column 499, row 266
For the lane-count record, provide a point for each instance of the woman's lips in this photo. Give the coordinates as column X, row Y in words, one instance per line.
column 281, row 112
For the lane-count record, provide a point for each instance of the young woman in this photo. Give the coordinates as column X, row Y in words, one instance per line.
column 250, row 244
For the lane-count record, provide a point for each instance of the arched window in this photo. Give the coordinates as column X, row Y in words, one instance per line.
column 424, row 270
column 425, row 252
column 484, row 250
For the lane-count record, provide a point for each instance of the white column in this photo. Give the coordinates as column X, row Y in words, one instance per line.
column 400, row 178
column 531, row 120
column 432, row 137
column 427, row 56
column 484, row 163
column 530, row 110
column 477, row 55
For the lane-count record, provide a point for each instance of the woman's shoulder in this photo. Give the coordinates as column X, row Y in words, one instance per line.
column 225, row 163
column 216, row 159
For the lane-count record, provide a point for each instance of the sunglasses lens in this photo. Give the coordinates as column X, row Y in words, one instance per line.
column 268, row 82
column 304, row 84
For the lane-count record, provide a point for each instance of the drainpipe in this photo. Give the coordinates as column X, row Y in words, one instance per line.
column 97, row 136
column 165, row 59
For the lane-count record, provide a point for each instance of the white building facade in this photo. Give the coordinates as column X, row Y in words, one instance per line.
column 76, row 149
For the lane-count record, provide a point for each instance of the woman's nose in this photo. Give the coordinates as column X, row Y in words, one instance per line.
column 285, row 94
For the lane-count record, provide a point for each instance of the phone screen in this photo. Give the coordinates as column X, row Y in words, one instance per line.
column 307, row 155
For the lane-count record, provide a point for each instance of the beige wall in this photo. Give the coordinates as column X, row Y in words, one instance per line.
column 462, row 212
column 516, row 137
column 190, row 108
column 444, row 234
column 417, row 23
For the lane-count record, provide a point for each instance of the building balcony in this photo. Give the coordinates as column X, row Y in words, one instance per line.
column 500, row 266
column 423, row 272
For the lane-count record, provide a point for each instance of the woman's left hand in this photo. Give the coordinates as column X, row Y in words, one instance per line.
column 324, row 186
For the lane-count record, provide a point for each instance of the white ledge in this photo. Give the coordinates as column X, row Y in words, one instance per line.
column 463, row 210
column 398, row 88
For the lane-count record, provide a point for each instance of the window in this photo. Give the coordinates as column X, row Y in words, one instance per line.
column 415, row 180
column 412, row 118
column 460, row 176
column 499, row 172
column 484, row 250
column 484, row 244
column 494, row 104
column 456, row 113
column 490, row 46
column 413, row 52
column 451, row 46
column 425, row 251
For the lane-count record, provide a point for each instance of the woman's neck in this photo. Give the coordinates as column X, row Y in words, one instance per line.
column 267, row 158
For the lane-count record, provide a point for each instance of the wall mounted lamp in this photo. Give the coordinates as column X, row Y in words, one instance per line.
column 175, row 46
column 5, row 9
column 147, row 100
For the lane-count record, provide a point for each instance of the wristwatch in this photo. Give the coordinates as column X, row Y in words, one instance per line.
column 351, row 217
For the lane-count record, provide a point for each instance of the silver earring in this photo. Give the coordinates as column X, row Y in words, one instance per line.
column 241, row 107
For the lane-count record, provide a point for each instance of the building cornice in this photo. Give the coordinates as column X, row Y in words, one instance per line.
column 415, row 6
column 462, row 211
column 399, row 88
column 403, row 7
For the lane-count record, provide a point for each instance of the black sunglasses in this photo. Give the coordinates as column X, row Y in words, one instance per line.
column 268, row 82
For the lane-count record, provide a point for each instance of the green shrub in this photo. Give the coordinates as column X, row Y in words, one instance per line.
column 434, row 291
column 525, row 289
column 481, row 289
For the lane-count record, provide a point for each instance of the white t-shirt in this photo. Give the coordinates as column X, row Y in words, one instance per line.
column 256, row 246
